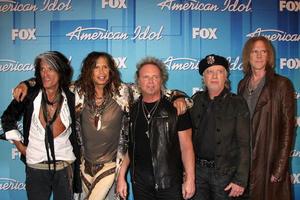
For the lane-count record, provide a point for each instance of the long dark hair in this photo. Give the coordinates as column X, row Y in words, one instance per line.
column 85, row 80
column 57, row 61
column 247, row 51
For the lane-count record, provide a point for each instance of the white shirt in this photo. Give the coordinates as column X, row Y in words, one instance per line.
column 36, row 151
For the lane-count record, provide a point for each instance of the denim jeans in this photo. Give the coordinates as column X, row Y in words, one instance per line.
column 144, row 189
column 210, row 184
column 41, row 183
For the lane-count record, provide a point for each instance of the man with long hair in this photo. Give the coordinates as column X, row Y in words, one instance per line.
column 49, row 144
column 271, row 102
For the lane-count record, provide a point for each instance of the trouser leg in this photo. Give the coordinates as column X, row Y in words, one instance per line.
column 97, row 187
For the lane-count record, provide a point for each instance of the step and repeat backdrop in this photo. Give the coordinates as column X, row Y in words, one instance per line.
column 179, row 32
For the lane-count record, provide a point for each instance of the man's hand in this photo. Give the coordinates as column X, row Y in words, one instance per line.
column 274, row 179
column 122, row 187
column 188, row 189
column 180, row 105
column 21, row 147
column 20, row 92
column 235, row 190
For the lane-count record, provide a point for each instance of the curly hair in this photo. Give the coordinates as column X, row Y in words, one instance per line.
column 85, row 80
column 247, row 51
column 59, row 63
column 154, row 61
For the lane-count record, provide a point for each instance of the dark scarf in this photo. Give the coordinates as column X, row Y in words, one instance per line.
column 49, row 141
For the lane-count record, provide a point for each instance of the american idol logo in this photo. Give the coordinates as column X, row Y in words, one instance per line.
column 182, row 64
column 275, row 35
column 235, row 64
column 11, row 184
column 7, row 65
column 13, row 6
column 229, row 5
column 96, row 33
column 48, row 5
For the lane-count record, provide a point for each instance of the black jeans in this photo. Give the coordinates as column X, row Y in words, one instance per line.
column 41, row 183
column 144, row 188
column 210, row 185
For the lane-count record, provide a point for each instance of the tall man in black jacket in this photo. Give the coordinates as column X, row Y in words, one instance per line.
column 49, row 145
column 220, row 134
column 160, row 143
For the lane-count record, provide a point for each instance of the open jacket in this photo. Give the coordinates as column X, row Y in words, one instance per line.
column 16, row 110
column 273, row 124
column 164, row 144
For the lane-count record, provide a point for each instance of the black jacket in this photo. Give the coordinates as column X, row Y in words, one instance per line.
column 16, row 110
column 232, row 150
column 164, row 144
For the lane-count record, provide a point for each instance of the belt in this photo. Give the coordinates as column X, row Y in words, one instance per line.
column 92, row 168
column 59, row 165
column 206, row 163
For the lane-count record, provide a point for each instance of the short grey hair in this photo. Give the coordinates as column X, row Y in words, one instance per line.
column 158, row 63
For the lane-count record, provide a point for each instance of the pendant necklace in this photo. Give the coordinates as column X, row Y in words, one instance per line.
column 149, row 114
column 98, row 110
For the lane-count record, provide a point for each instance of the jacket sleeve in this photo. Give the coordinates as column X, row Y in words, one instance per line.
column 243, row 140
column 12, row 115
column 287, row 117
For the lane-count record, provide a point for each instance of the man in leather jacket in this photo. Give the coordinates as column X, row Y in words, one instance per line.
column 161, row 155
column 220, row 134
column 272, row 105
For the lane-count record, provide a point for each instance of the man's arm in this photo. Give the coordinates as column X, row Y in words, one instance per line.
column 121, row 179
column 239, row 182
column 22, row 88
column 287, row 116
column 9, row 120
column 188, row 160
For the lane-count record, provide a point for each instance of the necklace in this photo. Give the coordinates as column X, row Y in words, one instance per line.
column 250, row 90
column 98, row 110
column 149, row 114
column 55, row 100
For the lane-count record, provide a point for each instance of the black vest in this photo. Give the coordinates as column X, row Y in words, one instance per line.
column 164, row 144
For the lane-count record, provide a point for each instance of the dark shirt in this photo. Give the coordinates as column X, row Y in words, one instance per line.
column 206, row 146
column 143, row 157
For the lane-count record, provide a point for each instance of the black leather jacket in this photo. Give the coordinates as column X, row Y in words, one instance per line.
column 24, row 109
column 232, row 149
column 164, row 144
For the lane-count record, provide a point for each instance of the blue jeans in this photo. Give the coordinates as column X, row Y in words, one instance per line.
column 41, row 183
column 210, row 185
